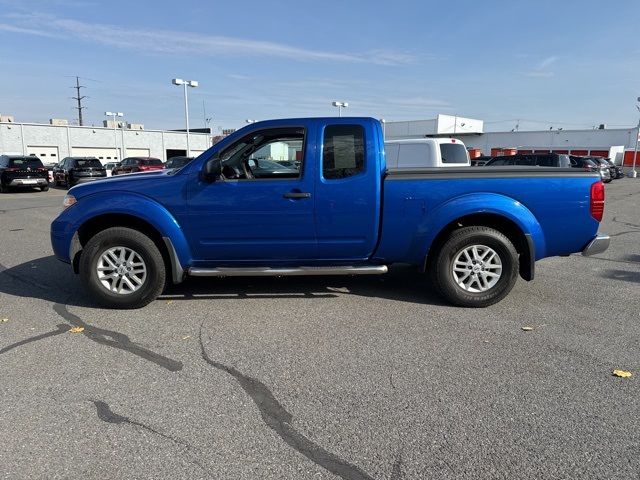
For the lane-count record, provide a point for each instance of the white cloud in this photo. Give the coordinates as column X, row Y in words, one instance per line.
column 180, row 42
column 541, row 69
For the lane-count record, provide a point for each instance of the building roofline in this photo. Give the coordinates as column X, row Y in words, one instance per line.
column 33, row 124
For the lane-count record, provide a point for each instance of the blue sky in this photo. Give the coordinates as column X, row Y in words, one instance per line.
column 547, row 63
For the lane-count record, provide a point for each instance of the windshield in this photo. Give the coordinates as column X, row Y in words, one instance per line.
column 453, row 153
column 25, row 162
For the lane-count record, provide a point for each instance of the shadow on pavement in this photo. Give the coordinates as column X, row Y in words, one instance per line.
column 48, row 279
column 623, row 275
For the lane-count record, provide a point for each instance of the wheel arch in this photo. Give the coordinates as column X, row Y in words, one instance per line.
column 522, row 241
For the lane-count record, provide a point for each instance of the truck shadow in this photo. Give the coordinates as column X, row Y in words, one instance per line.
column 48, row 279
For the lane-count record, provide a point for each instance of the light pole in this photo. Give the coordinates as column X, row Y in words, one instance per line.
column 185, row 84
column 383, row 122
column 633, row 173
column 113, row 115
column 340, row 105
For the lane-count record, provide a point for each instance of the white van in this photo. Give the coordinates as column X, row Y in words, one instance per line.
column 426, row 153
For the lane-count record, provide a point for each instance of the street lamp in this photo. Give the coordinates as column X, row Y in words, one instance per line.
column 185, row 84
column 340, row 105
column 113, row 115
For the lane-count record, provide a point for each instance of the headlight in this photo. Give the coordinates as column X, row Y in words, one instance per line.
column 68, row 201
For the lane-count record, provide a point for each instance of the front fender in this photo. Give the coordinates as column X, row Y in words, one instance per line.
column 482, row 203
column 70, row 220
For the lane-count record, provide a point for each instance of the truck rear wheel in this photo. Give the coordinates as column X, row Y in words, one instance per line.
column 475, row 267
column 122, row 268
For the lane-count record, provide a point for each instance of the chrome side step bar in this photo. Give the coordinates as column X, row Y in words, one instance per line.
column 282, row 272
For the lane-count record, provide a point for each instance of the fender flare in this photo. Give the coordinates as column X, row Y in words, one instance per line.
column 487, row 204
column 147, row 210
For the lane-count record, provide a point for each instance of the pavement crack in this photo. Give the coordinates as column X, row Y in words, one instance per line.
column 109, row 416
column 397, row 472
column 60, row 328
column 628, row 224
column 117, row 340
column 277, row 418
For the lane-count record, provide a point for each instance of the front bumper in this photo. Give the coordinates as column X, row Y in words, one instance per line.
column 597, row 245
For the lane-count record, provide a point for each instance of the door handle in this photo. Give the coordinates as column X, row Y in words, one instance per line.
column 297, row 195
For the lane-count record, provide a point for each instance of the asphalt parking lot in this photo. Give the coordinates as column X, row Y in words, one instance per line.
column 354, row 378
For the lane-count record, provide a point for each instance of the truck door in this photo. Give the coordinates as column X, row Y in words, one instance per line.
column 348, row 190
column 262, row 210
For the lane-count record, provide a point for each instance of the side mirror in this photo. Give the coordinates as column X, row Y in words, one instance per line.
column 212, row 170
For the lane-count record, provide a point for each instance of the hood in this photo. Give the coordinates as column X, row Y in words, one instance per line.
column 120, row 182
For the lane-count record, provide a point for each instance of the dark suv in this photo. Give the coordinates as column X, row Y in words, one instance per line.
column 22, row 171
column 74, row 170
column 560, row 160
column 138, row 164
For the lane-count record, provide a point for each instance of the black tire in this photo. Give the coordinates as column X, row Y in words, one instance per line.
column 441, row 267
column 44, row 189
column 143, row 246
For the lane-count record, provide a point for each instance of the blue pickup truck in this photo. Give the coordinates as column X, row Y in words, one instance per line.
column 313, row 196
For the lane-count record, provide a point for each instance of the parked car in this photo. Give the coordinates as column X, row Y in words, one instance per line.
column 619, row 172
column 605, row 164
column 138, row 164
column 558, row 160
column 73, row 170
column 330, row 217
column 178, row 162
column 50, row 167
column 426, row 153
column 588, row 164
column 109, row 166
column 19, row 171
column 480, row 161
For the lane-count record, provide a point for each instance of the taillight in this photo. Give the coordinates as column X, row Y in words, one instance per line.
column 596, row 204
column 12, row 169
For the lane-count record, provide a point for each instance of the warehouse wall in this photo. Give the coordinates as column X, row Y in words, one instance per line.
column 19, row 138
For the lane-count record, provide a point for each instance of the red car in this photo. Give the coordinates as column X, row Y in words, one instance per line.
column 137, row 164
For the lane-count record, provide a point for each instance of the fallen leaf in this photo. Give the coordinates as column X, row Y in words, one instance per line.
column 527, row 329
column 188, row 336
column 76, row 330
column 169, row 302
column 4, row 320
column 622, row 373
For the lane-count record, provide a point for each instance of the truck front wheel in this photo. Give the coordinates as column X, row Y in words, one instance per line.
column 122, row 268
column 475, row 267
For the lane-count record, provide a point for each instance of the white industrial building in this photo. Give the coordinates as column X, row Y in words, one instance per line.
column 55, row 141
column 610, row 142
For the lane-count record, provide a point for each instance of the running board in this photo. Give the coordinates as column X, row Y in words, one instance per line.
column 282, row 272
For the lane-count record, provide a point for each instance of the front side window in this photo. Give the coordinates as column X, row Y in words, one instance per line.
column 343, row 151
column 265, row 154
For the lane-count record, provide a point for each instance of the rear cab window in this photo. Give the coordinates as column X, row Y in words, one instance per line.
column 343, row 151
column 453, row 153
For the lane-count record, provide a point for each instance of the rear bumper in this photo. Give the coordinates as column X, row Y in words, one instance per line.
column 28, row 182
column 597, row 245
column 77, row 180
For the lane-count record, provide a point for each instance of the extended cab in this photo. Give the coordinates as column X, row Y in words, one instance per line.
column 240, row 208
